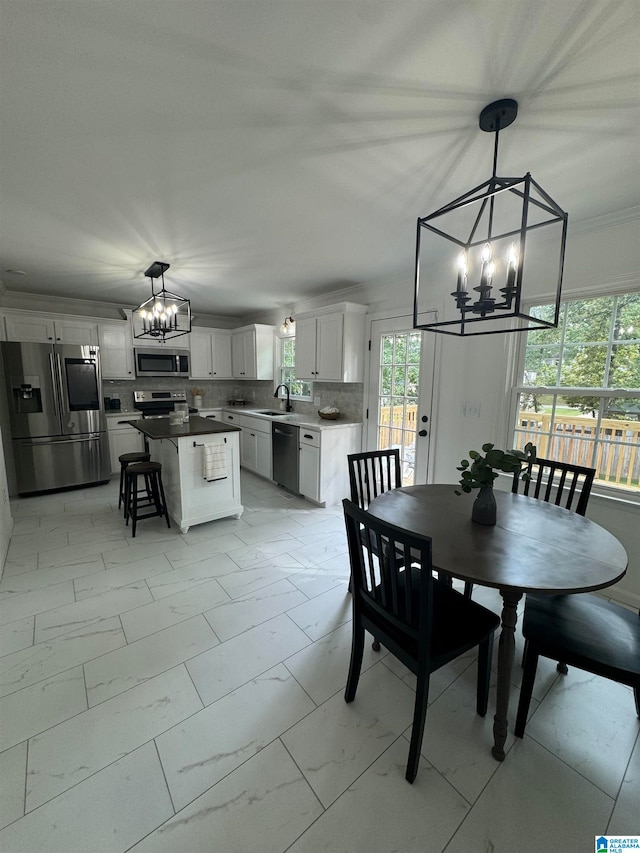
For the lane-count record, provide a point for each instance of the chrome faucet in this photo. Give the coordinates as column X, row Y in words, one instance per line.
column 288, row 407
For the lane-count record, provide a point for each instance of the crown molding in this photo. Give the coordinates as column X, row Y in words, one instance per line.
column 605, row 221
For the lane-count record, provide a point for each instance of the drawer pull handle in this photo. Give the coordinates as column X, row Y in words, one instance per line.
column 306, row 435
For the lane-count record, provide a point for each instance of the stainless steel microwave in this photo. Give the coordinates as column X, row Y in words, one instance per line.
column 161, row 362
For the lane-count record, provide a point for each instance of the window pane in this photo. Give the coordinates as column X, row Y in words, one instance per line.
column 546, row 336
column 415, row 342
column 387, row 349
column 541, row 365
column 589, row 320
column 583, row 367
column 627, row 324
column 625, row 366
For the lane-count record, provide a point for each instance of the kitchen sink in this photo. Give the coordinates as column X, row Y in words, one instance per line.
column 272, row 414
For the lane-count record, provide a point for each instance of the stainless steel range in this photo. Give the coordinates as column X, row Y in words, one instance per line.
column 159, row 404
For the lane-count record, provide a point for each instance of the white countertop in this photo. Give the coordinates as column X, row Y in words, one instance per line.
column 307, row 421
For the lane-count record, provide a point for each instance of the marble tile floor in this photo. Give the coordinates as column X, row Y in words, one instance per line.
column 185, row 693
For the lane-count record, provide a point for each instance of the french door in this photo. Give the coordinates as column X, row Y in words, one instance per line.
column 399, row 393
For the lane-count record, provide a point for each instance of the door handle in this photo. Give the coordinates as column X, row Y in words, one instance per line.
column 422, row 432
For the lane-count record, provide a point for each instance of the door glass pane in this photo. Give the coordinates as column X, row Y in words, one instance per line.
column 399, row 381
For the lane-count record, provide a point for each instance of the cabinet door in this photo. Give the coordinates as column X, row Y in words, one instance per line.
column 309, row 477
column 30, row 328
column 201, row 355
column 237, row 355
column 329, row 347
column 249, row 448
column 306, row 349
column 116, row 351
column 250, row 355
column 127, row 440
column 76, row 332
column 243, row 355
column 263, row 455
column 221, row 356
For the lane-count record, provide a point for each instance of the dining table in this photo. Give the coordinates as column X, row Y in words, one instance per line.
column 535, row 546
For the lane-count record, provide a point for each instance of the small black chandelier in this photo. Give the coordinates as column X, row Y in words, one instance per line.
column 164, row 315
column 494, row 227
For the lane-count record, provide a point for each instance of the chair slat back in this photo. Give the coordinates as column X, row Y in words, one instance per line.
column 395, row 595
column 560, row 483
column 372, row 473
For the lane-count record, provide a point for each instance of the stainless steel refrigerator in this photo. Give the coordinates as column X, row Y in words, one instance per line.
column 56, row 414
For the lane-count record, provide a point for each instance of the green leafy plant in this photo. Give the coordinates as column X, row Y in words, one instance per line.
column 482, row 470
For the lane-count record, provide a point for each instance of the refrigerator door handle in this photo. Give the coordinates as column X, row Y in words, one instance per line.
column 54, row 384
column 35, row 442
column 59, row 384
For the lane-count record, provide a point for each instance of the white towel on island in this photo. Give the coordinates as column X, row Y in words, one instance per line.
column 214, row 462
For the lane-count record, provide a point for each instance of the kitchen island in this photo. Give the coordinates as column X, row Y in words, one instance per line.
column 200, row 468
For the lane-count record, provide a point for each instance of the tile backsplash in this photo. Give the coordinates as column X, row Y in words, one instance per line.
column 347, row 397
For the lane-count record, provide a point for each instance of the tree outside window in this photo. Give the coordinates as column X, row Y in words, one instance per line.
column 578, row 397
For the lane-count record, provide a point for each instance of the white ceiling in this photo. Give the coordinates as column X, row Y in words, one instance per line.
column 273, row 150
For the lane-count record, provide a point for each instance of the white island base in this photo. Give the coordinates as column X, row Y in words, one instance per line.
column 190, row 498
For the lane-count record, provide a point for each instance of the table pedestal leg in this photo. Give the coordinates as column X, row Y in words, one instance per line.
column 506, row 650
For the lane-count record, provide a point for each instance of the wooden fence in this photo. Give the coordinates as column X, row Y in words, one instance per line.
column 617, row 459
column 396, row 425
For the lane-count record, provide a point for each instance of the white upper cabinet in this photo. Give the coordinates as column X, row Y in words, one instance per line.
column 116, row 350
column 330, row 343
column 37, row 327
column 210, row 354
column 252, row 352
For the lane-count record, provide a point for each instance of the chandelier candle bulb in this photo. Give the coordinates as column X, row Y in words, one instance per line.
column 462, row 273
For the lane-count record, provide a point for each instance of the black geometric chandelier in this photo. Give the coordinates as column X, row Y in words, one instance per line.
column 164, row 315
column 489, row 251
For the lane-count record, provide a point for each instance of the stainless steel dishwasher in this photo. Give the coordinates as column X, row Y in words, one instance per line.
column 286, row 452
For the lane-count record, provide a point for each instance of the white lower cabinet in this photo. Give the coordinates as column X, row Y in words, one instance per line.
column 324, row 476
column 255, row 445
column 190, row 498
column 122, row 439
column 309, row 475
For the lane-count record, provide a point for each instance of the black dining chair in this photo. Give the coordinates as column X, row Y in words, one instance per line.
column 585, row 631
column 422, row 622
column 370, row 474
column 582, row 629
column 562, row 484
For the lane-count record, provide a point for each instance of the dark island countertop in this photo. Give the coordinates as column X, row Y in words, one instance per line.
column 156, row 428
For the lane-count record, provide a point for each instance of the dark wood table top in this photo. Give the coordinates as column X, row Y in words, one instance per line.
column 157, row 428
column 535, row 546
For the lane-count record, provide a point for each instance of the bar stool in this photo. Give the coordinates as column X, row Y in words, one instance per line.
column 151, row 471
column 125, row 460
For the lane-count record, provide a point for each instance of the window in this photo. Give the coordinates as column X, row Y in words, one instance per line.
column 298, row 388
column 578, row 397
